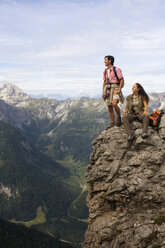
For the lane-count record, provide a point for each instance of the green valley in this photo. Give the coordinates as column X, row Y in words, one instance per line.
column 45, row 146
column 17, row 236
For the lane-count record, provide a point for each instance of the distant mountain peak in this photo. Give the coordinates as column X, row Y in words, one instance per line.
column 11, row 87
column 12, row 94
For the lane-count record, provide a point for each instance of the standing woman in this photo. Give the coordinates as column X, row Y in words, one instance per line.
column 136, row 108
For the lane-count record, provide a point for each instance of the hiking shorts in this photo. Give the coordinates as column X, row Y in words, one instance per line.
column 116, row 97
column 109, row 100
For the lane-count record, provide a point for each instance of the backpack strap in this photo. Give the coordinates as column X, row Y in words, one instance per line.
column 107, row 81
column 114, row 70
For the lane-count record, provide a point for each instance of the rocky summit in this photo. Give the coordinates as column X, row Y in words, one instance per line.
column 126, row 196
column 13, row 95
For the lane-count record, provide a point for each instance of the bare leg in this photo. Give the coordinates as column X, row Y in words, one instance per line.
column 111, row 113
column 115, row 105
column 117, row 109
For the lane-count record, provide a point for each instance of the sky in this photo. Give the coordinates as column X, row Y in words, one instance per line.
column 58, row 47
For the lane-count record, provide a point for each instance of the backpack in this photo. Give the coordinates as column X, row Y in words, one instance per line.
column 155, row 118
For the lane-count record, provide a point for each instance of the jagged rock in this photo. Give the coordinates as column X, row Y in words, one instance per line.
column 14, row 116
column 162, row 128
column 126, row 196
column 13, row 95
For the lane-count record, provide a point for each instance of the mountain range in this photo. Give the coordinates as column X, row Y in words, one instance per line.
column 45, row 148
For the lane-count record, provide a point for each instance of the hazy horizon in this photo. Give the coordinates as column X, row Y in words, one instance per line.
column 54, row 95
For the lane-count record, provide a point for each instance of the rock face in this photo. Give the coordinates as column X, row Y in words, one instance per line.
column 13, row 95
column 126, row 196
column 14, row 116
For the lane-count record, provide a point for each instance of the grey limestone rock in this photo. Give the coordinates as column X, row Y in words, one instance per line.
column 14, row 116
column 126, row 196
column 13, row 95
column 162, row 128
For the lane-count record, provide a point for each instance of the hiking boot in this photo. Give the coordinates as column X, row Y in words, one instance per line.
column 144, row 135
column 118, row 122
column 131, row 136
column 112, row 125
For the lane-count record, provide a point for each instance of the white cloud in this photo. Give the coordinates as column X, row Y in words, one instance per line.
column 48, row 44
column 146, row 43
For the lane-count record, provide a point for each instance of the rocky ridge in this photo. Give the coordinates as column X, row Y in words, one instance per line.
column 45, row 108
column 126, row 196
column 13, row 95
column 53, row 109
column 14, row 116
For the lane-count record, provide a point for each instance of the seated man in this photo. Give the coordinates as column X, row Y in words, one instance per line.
column 136, row 108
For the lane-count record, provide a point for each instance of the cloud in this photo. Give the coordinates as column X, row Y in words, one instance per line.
column 48, row 44
column 146, row 43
